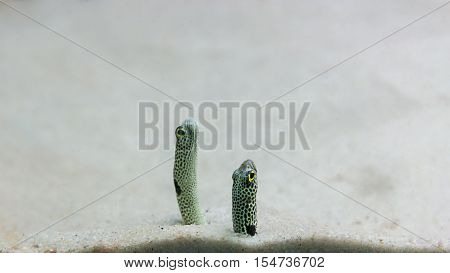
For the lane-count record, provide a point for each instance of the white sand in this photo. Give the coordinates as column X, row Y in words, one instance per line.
column 378, row 124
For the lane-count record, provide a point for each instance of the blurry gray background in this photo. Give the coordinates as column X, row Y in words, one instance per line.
column 378, row 124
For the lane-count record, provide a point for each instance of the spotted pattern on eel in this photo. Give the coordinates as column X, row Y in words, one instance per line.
column 245, row 187
column 185, row 172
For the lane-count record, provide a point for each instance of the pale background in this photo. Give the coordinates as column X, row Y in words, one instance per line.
column 378, row 125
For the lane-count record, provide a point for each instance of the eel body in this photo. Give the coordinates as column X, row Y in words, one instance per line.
column 185, row 172
column 245, row 187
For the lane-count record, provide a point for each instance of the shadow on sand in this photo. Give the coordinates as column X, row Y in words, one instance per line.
column 316, row 245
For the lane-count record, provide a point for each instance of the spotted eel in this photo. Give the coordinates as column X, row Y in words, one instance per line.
column 245, row 187
column 185, row 172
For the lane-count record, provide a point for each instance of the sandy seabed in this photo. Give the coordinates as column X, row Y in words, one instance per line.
column 378, row 125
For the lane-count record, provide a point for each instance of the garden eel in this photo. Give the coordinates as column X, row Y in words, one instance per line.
column 185, row 172
column 245, row 187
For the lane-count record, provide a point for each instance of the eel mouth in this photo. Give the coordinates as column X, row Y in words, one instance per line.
column 248, row 165
column 190, row 125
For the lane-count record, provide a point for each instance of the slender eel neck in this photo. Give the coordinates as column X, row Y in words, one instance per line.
column 185, row 170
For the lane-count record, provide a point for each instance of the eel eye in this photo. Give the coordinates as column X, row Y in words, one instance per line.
column 251, row 176
column 180, row 132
